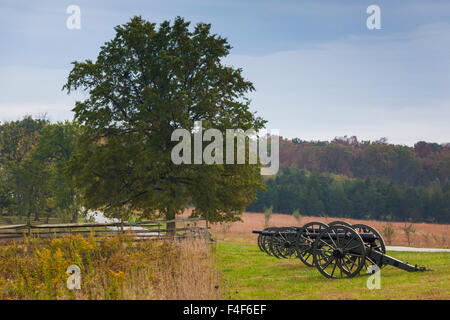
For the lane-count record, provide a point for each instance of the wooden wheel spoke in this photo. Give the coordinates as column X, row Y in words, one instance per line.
column 323, row 243
column 353, row 262
column 309, row 255
column 331, row 259
column 346, row 266
column 334, row 267
column 302, row 251
column 335, row 246
column 354, row 236
column 352, row 248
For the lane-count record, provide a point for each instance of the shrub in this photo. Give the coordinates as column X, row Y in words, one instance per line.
column 297, row 216
column 388, row 232
column 409, row 230
column 267, row 215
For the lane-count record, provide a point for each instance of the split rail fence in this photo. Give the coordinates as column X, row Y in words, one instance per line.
column 190, row 227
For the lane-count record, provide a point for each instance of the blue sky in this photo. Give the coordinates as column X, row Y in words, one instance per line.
column 318, row 71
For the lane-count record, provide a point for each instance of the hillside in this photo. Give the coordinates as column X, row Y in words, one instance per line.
column 360, row 180
column 420, row 165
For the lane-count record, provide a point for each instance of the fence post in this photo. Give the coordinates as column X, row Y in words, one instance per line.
column 159, row 228
column 207, row 226
column 29, row 225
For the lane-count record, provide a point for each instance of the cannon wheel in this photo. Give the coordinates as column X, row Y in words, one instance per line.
column 377, row 245
column 340, row 223
column 271, row 242
column 260, row 236
column 305, row 242
column 281, row 245
column 261, row 240
column 292, row 238
column 341, row 257
column 264, row 241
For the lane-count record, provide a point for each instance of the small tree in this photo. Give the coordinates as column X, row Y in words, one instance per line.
column 444, row 240
column 426, row 237
column 267, row 215
column 22, row 175
column 297, row 216
column 226, row 226
column 388, row 232
column 409, row 230
column 441, row 241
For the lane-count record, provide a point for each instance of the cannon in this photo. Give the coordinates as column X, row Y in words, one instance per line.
column 337, row 250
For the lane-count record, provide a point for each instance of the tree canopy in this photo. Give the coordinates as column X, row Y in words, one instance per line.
column 145, row 83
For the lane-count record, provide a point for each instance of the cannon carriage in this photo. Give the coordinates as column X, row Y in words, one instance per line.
column 337, row 250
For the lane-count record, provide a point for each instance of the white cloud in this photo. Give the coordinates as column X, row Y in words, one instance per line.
column 395, row 86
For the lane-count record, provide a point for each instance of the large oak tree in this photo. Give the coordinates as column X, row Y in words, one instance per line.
column 145, row 83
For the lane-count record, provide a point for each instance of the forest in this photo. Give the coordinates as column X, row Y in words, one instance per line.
column 420, row 165
column 361, row 180
column 323, row 194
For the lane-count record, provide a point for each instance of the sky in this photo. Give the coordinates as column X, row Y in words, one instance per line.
column 319, row 72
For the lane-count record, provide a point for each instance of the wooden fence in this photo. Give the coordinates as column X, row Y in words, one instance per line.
column 190, row 227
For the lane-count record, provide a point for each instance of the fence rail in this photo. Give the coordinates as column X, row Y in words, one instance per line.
column 140, row 230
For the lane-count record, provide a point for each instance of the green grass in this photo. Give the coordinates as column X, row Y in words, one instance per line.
column 250, row 274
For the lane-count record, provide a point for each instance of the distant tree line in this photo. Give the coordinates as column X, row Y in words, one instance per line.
column 342, row 178
column 420, row 165
column 323, row 194
column 33, row 156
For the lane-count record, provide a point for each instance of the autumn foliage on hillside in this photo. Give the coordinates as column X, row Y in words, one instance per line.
column 360, row 180
column 420, row 165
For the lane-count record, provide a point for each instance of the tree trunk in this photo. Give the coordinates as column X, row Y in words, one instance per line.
column 75, row 217
column 29, row 218
column 171, row 226
column 29, row 223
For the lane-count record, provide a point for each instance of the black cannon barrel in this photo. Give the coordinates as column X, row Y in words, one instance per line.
column 366, row 237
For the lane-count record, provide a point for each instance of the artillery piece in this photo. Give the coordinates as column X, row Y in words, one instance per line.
column 337, row 250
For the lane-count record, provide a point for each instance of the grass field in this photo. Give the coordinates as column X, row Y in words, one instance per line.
column 250, row 274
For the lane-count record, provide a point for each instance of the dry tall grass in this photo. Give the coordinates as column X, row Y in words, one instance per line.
column 115, row 268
